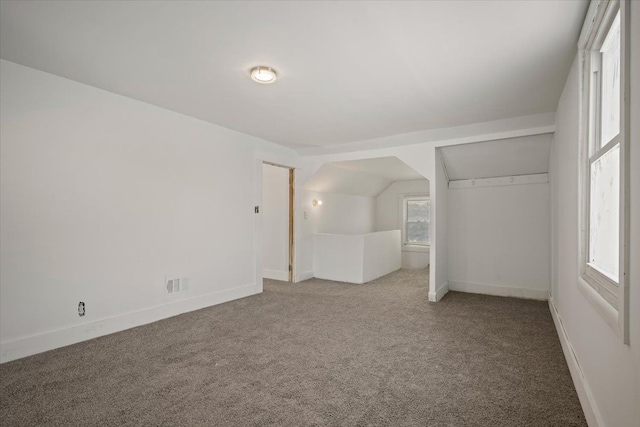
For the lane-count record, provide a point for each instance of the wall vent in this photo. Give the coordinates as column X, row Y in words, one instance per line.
column 173, row 285
column 176, row 284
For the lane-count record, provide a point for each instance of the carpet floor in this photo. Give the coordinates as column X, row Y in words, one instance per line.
column 313, row 353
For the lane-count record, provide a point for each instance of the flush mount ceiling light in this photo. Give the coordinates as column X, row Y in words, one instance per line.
column 264, row 75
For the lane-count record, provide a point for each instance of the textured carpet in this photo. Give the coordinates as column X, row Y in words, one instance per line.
column 314, row 353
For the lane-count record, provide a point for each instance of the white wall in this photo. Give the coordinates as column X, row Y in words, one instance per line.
column 275, row 217
column 389, row 216
column 356, row 258
column 607, row 372
column 381, row 254
column 102, row 196
column 499, row 240
column 332, row 178
column 340, row 213
column 338, row 257
column 439, row 202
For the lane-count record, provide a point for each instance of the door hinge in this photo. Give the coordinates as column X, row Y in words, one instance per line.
column 257, row 209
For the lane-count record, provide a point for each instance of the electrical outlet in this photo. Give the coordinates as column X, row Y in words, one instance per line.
column 80, row 309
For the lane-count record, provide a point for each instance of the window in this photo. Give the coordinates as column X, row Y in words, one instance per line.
column 603, row 154
column 603, row 258
column 416, row 220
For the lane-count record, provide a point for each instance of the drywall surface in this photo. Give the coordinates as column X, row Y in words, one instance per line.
column 439, row 281
column 527, row 155
column 340, row 213
column 333, row 178
column 338, row 257
column 610, row 369
column 499, row 238
column 275, row 214
column 389, row 216
column 356, row 258
column 102, row 198
column 415, row 260
column 381, row 254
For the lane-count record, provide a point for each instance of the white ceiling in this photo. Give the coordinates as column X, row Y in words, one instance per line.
column 349, row 71
column 368, row 177
column 390, row 168
column 506, row 157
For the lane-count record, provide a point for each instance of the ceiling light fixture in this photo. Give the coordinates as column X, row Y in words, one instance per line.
column 264, row 75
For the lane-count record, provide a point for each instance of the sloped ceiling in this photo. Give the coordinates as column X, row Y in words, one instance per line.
column 390, row 168
column 506, row 157
column 349, row 70
column 368, row 177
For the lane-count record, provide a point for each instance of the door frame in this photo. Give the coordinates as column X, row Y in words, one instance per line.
column 291, row 212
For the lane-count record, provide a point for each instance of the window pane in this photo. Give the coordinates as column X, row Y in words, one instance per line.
column 604, row 232
column 418, row 232
column 417, row 210
column 611, row 83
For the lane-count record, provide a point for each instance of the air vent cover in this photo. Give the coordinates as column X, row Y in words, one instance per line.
column 173, row 285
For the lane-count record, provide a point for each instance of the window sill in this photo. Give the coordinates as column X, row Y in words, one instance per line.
column 601, row 305
column 415, row 248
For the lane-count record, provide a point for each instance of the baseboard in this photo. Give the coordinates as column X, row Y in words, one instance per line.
column 275, row 274
column 34, row 344
column 501, row 291
column 439, row 293
column 589, row 407
column 305, row 275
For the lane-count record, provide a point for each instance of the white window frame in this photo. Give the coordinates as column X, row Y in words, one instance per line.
column 609, row 297
column 411, row 247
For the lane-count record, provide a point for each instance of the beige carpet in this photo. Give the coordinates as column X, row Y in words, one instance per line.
column 314, row 353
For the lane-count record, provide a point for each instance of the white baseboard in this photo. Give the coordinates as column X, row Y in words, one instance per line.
column 439, row 293
column 275, row 274
column 30, row 345
column 589, row 407
column 305, row 275
column 501, row 291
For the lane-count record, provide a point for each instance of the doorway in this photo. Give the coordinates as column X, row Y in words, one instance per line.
column 278, row 189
